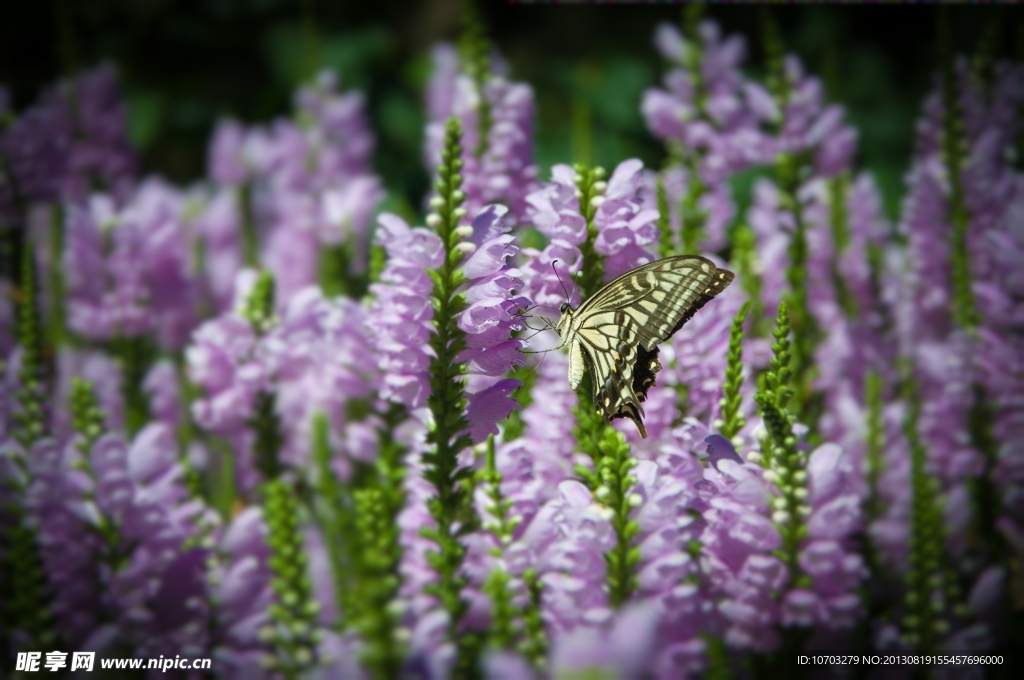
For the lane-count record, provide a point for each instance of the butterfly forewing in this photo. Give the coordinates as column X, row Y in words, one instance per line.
column 616, row 332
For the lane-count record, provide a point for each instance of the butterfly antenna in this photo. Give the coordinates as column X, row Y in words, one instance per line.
column 540, row 351
column 575, row 287
column 568, row 297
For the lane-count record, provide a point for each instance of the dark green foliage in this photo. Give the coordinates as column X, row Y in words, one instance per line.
column 87, row 417
column 931, row 589
column 258, row 310
column 744, row 260
column 590, row 184
column 266, row 425
column 292, row 633
column 954, row 155
column 874, row 441
column 610, row 481
column 30, row 415
column 336, row 272
column 839, row 219
column 250, row 232
column 135, row 355
column 805, row 331
column 58, row 313
column 451, row 507
column 666, row 248
column 25, row 604
column 785, row 463
column 378, row 621
column 475, row 50
column 360, row 525
column 732, row 419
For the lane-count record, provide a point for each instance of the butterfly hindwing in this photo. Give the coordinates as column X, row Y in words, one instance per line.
column 616, row 332
column 609, row 342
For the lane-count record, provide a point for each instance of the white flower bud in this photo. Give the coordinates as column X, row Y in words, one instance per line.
column 780, row 517
column 635, row 500
column 433, row 220
column 464, row 230
column 596, row 201
column 600, row 187
column 459, row 213
column 465, row 247
column 437, row 203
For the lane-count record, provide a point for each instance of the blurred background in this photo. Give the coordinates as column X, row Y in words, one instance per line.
column 186, row 63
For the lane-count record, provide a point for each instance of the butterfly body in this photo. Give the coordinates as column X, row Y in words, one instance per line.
column 615, row 333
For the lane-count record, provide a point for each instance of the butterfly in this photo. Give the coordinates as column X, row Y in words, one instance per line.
column 617, row 330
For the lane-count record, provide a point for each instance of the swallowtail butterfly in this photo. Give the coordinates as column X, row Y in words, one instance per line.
column 617, row 330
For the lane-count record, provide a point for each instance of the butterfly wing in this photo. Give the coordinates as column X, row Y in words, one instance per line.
column 617, row 331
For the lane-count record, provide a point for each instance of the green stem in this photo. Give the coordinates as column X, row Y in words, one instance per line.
column 954, row 153
column 451, row 508
column 136, row 354
column 250, row 233
column 58, row 315
column 733, row 420
column 293, row 633
column 665, row 246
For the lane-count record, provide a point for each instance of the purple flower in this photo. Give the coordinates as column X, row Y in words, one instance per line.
column 565, row 543
column 738, row 560
column 160, row 592
column 400, row 314
column 533, row 464
column 57, row 502
column 309, row 184
column 722, row 118
column 401, row 317
column 71, row 142
column 710, row 115
column 809, row 126
column 554, row 211
column 504, row 172
column 129, row 271
column 35, row 150
column 218, row 227
column 323, row 360
column 625, row 229
column 622, row 648
column 225, row 359
column 828, row 555
column 161, row 383
column 668, row 576
column 240, row 594
column 99, row 155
